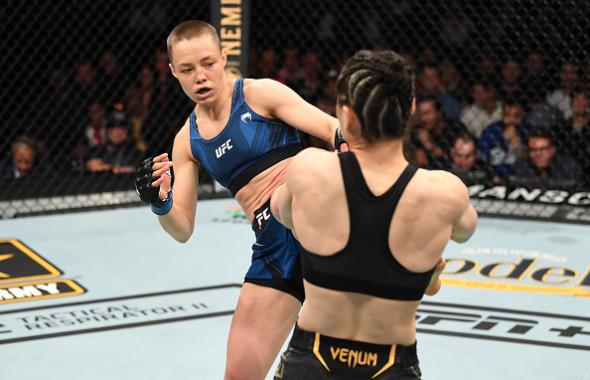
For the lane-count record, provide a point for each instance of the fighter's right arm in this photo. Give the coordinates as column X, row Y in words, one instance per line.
column 180, row 221
column 466, row 217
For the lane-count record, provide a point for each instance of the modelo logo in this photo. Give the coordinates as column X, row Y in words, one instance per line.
column 545, row 279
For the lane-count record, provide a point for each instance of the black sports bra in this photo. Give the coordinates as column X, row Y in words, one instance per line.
column 366, row 264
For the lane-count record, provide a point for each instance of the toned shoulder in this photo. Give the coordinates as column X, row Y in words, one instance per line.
column 442, row 187
column 312, row 165
column 184, row 133
column 311, row 158
column 264, row 87
column 256, row 84
column 182, row 142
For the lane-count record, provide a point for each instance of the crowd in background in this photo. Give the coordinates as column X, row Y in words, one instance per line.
column 506, row 122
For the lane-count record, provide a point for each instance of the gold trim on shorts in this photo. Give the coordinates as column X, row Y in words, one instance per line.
column 389, row 363
column 316, row 350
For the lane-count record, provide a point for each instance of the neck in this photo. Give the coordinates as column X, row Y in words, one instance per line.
column 386, row 152
column 215, row 110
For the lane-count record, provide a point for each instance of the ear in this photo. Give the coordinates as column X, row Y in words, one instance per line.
column 413, row 105
column 348, row 121
column 173, row 70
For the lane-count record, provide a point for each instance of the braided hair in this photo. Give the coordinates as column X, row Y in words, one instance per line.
column 379, row 87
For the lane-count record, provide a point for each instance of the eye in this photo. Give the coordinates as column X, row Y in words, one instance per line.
column 186, row 71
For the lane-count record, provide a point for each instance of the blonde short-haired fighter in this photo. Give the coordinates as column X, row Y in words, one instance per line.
column 372, row 229
column 243, row 131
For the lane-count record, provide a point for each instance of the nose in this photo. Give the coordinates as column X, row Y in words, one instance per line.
column 200, row 77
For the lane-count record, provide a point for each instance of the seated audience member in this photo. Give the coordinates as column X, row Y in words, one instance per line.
column 542, row 114
column 544, row 167
column 560, row 98
column 466, row 164
column 429, row 84
column 119, row 154
column 510, row 81
column 573, row 137
column 504, row 142
column 434, row 133
column 485, row 110
column 23, row 161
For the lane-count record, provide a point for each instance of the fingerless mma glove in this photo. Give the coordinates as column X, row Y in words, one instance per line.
column 143, row 185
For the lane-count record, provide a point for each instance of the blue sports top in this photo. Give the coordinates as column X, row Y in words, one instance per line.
column 247, row 145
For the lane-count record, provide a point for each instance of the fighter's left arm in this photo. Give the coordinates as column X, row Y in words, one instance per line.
column 280, row 102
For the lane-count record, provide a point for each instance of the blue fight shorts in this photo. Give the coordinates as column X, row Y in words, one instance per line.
column 276, row 258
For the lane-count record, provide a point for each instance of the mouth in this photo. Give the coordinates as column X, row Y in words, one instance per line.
column 203, row 92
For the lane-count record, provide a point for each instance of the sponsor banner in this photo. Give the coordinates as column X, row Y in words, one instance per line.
column 39, row 290
column 232, row 20
column 520, row 202
column 505, row 325
column 20, row 263
column 117, row 313
column 518, row 270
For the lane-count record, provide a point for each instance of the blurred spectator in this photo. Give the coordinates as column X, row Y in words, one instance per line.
column 485, row 110
column 535, row 79
column 586, row 78
column 140, row 98
column 452, row 81
column 428, row 57
column 409, row 59
column 574, row 134
column 510, row 85
column 56, row 116
column 429, row 84
column 168, row 108
column 466, row 164
column 84, row 88
column 504, row 142
column 288, row 74
column 543, row 168
column 310, row 83
column 111, row 78
column 267, row 64
column 23, row 160
column 434, row 134
column 118, row 154
column 95, row 130
column 560, row 98
column 488, row 69
column 327, row 100
column 541, row 114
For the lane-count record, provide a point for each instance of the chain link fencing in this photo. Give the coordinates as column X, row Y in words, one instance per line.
column 502, row 92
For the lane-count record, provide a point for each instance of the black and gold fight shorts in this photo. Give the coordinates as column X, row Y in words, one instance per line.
column 314, row 356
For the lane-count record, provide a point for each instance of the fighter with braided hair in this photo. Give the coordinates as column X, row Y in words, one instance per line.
column 372, row 228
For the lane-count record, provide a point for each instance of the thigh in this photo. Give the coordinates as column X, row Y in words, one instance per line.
column 262, row 321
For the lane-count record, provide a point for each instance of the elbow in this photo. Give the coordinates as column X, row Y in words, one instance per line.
column 182, row 238
column 460, row 239
column 462, row 236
